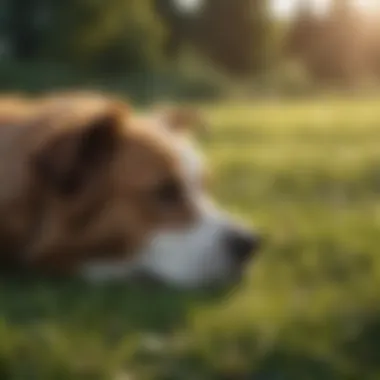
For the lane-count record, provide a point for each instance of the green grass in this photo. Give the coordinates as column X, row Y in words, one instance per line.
column 307, row 173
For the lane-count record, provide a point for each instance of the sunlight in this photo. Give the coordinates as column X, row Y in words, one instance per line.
column 189, row 5
column 285, row 8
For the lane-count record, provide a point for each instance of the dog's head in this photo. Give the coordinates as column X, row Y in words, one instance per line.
column 125, row 194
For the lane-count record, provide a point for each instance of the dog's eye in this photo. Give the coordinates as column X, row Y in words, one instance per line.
column 169, row 192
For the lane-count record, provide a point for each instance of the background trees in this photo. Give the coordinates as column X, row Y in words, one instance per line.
column 236, row 37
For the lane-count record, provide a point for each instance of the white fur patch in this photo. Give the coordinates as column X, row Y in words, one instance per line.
column 191, row 257
column 195, row 255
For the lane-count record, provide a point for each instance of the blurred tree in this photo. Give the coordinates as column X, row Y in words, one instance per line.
column 342, row 32
column 110, row 35
column 341, row 8
column 303, row 31
column 179, row 23
column 116, row 35
column 233, row 34
column 374, row 44
column 22, row 28
column 333, row 48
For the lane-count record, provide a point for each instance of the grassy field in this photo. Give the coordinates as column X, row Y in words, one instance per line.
column 308, row 173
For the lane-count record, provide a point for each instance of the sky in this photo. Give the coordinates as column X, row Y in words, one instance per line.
column 285, row 8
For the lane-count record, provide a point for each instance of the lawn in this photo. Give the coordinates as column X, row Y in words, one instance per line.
column 307, row 173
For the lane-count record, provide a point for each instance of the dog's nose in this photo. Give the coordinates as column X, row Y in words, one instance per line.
column 243, row 244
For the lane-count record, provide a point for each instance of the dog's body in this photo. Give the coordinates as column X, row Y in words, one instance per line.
column 88, row 188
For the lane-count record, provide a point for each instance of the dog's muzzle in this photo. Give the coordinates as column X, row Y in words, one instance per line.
column 242, row 244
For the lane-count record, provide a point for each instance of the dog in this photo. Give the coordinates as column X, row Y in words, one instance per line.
column 93, row 189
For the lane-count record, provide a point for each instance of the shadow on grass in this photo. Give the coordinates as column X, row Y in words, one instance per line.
column 100, row 320
column 70, row 330
column 130, row 306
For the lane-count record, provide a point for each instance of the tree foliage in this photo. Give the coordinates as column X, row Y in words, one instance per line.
column 233, row 34
column 109, row 35
column 128, row 35
column 341, row 46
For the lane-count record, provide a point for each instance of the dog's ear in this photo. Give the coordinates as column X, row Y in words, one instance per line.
column 182, row 119
column 65, row 161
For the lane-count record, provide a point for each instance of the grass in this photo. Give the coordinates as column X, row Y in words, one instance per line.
column 308, row 173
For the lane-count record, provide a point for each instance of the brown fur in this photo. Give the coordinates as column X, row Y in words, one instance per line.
column 80, row 180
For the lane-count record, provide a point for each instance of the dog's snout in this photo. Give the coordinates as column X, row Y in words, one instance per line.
column 243, row 244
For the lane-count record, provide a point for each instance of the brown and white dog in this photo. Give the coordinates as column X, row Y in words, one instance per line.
column 90, row 188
